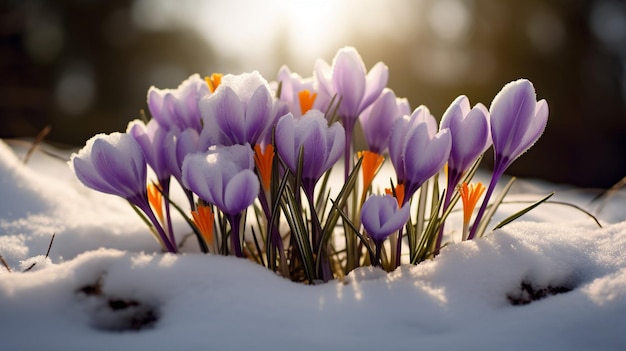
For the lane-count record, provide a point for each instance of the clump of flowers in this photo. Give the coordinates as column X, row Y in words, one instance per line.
column 253, row 159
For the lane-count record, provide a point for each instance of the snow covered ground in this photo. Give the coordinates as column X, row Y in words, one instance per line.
column 104, row 277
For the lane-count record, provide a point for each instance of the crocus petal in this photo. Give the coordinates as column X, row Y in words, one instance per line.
column 425, row 156
column 397, row 219
column 381, row 216
column 224, row 111
column 517, row 121
column 349, row 81
column 87, row 174
column 376, row 81
column 322, row 144
column 535, row 129
column 335, row 144
column 152, row 139
column 396, row 144
column 113, row 164
column 325, row 90
column 285, row 141
column 195, row 175
column 240, row 192
column 470, row 135
column 258, row 115
column 511, row 112
column 377, row 121
column 178, row 108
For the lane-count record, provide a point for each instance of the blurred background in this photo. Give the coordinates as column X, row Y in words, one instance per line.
column 84, row 66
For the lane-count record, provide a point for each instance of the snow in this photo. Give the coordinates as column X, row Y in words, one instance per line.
column 105, row 275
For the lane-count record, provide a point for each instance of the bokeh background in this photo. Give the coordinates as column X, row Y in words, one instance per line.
column 84, row 66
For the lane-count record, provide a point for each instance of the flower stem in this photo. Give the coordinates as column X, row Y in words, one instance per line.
column 142, row 203
column 495, row 177
column 234, row 233
column 165, row 185
column 347, row 156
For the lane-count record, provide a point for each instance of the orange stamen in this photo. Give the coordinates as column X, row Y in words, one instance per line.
column 263, row 161
column 470, row 195
column 214, row 81
column 399, row 189
column 306, row 100
column 370, row 166
column 203, row 219
column 156, row 199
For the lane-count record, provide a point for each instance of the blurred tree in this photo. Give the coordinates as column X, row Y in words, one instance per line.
column 84, row 67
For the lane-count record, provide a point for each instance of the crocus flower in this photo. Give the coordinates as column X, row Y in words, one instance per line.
column 178, row 108
column 184, row 143
column 154, row 141
column 378, row 119
column 296, row 92
column 322, row 144
column 348, row 80
column 241, row 110
column 417, row 150
column 381, row 216
column 469, row 129
column 224, row 176
column 321, row 147
column 152, row 138
column 115, row 164
column 517, row 121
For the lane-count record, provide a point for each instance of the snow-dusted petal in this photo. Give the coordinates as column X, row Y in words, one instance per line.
column 112, row 163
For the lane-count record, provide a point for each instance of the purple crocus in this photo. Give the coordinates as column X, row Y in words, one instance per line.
column 178, row 108
column 381, row 216
column 154, row 140
column 224, row 176
column 377, row 120
column 348, row 80
column 417, row 150
column 241, row 110
column 322, row 145
column 115, row 164
column 517, row 121
column 292, row 86
column 469, row 129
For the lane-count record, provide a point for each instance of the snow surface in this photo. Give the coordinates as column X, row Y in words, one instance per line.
column 105, row 274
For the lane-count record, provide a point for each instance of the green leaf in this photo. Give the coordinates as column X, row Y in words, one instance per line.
column 483, row 224
column 520, row 213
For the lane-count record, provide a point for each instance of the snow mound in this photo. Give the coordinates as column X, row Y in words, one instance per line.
column 552, row 280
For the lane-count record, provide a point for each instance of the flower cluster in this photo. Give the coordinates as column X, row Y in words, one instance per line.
column 238, row 142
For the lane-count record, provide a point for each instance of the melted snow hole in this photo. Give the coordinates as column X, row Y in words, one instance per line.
column 529, row 292
column 113, row 313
